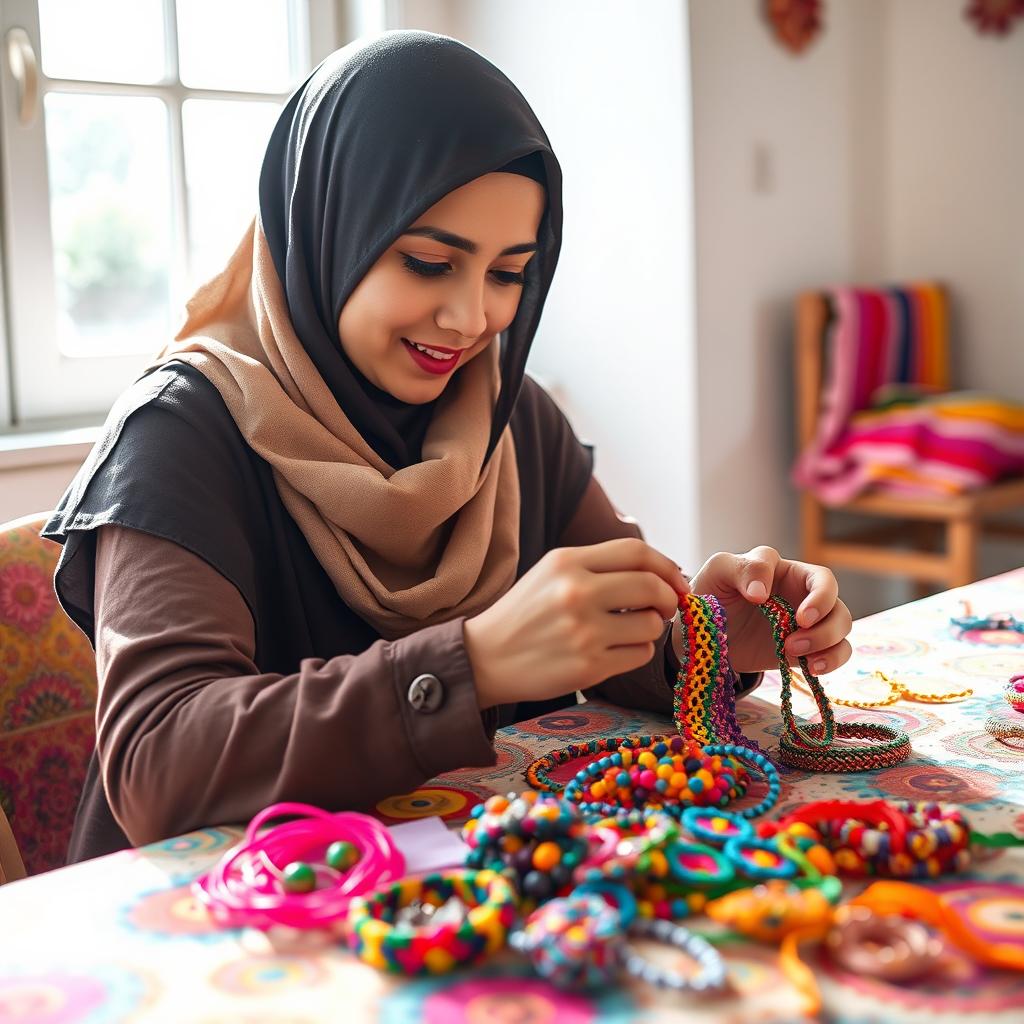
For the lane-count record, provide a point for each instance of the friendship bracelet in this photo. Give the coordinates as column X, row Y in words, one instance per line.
column 889, row 947
column 814, row 748
column 704, row 695
column 1005, row 726
column 433, row 948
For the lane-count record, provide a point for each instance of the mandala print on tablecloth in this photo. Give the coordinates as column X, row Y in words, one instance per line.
column 878, row 646
column 268, row 975
column 574, row 723
column 100, row 992
column 514, row 996
column 954, row 785
column 975, row 746
column 452, row 804
column 1000, row 664
column 512, row 760
column 171, row 914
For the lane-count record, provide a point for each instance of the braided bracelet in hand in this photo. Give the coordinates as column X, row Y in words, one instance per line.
column 704, row 701
column 814, row 748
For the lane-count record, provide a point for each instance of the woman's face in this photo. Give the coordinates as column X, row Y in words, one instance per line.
column 450, row 283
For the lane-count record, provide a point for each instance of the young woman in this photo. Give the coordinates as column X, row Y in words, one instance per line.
column 335, row 536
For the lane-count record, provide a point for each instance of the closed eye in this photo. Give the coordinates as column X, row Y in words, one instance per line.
column 425, row 268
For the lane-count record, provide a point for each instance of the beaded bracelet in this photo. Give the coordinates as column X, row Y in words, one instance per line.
column 813, row 748
column 1005, row 726
column 666, row 776
column 434, row 948
column 537, row 772
column 711, row 969
column 537, row 838
column 899, row 839
column 578, row 941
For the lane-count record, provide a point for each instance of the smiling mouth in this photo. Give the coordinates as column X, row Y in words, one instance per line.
column 433, row 353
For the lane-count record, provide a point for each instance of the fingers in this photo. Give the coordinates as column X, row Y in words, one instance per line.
column 631, row 628
column 822, row 662
column 635, row 590
column 631, row 554
column 818, row 590
column 751, row 574
column 821, row 641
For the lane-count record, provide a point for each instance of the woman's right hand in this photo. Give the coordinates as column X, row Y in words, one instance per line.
column 578, row 617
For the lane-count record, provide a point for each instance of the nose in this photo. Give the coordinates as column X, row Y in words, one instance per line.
column 462, row 309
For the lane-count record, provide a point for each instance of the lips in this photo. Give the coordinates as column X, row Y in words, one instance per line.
column 429, row 363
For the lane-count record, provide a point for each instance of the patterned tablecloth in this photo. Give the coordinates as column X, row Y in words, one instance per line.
column 120, row 938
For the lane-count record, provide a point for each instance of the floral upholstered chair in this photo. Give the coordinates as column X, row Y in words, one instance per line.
column 47, row 700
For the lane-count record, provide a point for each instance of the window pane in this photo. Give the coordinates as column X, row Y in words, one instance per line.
column 111, row 211
column 224, row 44
column 224, row 144
column 103, row 40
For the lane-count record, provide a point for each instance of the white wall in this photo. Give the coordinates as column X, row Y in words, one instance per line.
column 955, row 177
column 787, row 196
column 608, row 80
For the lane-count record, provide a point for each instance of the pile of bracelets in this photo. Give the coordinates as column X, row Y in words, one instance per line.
column 668, row 775
column 379, row 940
column 899, row 839
column 813, row 748
column 704, row 697
column 539, row 840
column 302, row 874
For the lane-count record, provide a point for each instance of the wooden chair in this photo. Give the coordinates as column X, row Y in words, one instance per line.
column 886, row 523
column 47, row 705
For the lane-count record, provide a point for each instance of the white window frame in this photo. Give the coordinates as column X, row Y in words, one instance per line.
column 40, row 386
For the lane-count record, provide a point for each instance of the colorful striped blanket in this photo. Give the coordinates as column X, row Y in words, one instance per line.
column 888, row 422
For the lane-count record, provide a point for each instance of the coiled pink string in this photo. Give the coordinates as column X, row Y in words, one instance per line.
column 245, row 889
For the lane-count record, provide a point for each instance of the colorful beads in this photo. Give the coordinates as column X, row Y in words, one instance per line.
column 538, row 840
column 574, row 942
column 537, row 773
column 435, row 948
column 898, row 839
column 628, row 779
column 710, row 975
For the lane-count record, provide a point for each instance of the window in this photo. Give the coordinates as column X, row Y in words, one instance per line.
column 132, row 137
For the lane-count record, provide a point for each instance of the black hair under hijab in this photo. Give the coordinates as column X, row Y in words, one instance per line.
column 380, row 132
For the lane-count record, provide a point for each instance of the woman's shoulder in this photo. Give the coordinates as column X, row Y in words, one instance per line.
column 169, row 448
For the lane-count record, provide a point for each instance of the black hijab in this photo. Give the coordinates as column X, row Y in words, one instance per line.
column 380, row 132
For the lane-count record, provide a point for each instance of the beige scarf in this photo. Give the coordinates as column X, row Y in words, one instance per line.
column 405, row 548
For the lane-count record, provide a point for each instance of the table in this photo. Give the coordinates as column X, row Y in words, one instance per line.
column 120, row 938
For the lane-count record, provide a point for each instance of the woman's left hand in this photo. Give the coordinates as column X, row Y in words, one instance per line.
column 742, row 582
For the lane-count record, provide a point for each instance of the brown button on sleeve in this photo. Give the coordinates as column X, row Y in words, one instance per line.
column 192, row 733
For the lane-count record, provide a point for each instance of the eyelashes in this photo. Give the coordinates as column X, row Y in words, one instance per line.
column 424, row 269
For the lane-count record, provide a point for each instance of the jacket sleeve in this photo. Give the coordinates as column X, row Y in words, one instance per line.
column 191, row 733
column 648, row 687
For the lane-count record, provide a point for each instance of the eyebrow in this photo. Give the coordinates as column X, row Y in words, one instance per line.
column 458, row 242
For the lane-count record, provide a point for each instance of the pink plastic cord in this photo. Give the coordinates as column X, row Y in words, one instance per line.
column 245, row 890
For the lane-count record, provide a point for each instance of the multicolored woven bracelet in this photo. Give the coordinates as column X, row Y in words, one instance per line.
column 704, row 696
column 433, row 948
column 813, row 748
